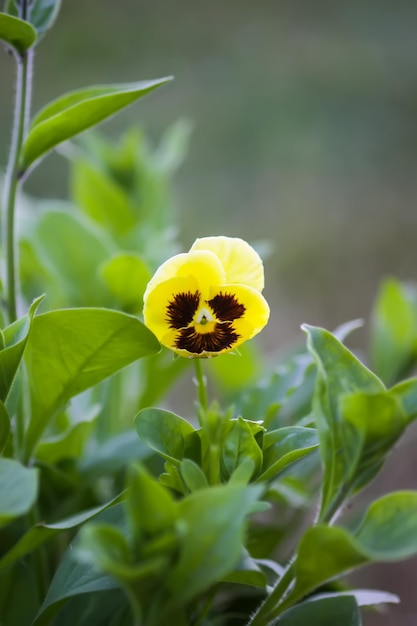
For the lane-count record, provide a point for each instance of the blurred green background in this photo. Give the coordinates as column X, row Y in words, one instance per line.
column 304, row 137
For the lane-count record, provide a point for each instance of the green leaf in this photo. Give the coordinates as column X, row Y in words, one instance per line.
column 75, row 112
column 370, row 426
column 164, row 432
column 240, row 445
column 19, row 582
column 101, row 198
column 71, row 350
column 151, row 508
column 339, row 373
column 394, row 330
column 126, row 276
column 193, row 475
column 69, row 444
column 43, row 14
column 340, row 610
column 73, row 269
column 406, row 393
column 18, row 489
column 284, row 446
column 284, row 396
column 74, row 577
column 4, row 426
column 15, row 339
column 387, row 533
column 213, row 522
column 17, row 33
column 41, row 533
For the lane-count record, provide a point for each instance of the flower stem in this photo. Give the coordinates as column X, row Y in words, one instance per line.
column 21, row 115
column 201, row 388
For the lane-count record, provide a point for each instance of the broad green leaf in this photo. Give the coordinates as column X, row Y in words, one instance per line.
column 101, row 608
column 151, row 508
column 108, row 457
column 71, row 249
column 394, row 330
column 339, row 373
column 193, row 475
column 75, row 112
column 68, row 445
column 17, row 33
column 19, row 582
column 15, row 339
column 101, row 198
column 331, row 611
column 164, row 432
column 4, row 426
column 387, row 533
column 126, row 277
column 71, row 350
column 241, row 445
column 43, row 14
column 284, row 446
column 213, row 523
column 282, row 397
column 406, row 393
column 74, row 577
column 370, row 426
column 41, row 533
column 18, row 489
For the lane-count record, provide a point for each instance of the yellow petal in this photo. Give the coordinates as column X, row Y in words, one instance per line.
column 256, row 314
column 242, row 264
column 156, row 302
column 204, row 266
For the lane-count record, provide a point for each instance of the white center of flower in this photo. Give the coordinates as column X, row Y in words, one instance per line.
column 204, row 316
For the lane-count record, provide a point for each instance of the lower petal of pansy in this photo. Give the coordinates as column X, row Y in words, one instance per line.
column 246, row 305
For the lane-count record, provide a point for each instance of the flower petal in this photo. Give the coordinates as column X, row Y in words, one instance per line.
column 204, row 266
column 256, row 310
column 242, row 264
column 158, row 316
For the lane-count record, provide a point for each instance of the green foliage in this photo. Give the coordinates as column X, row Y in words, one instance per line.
column 75, row 112
column 394, row 330
column 115, row 520
column 70, row 351
column 16, row 33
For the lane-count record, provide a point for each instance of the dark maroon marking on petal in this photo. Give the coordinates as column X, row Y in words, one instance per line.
column 223, row 336
column 182, row 308
column 226, row 307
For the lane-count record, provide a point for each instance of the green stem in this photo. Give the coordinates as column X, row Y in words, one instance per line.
column 263, row 615
column 201, row 389
column 21, row 115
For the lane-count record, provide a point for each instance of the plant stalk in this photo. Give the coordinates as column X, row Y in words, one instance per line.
column 12, row 179
column 201, row 388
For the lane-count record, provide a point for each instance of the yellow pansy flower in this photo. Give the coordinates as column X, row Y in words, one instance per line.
column 207, row 301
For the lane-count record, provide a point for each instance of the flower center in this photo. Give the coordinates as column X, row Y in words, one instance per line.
column 204, row 325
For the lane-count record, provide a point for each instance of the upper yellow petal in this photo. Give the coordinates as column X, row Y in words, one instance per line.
column 204, row 266
column 241, row 263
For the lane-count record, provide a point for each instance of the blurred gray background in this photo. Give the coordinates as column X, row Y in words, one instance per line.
column 305, row 135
